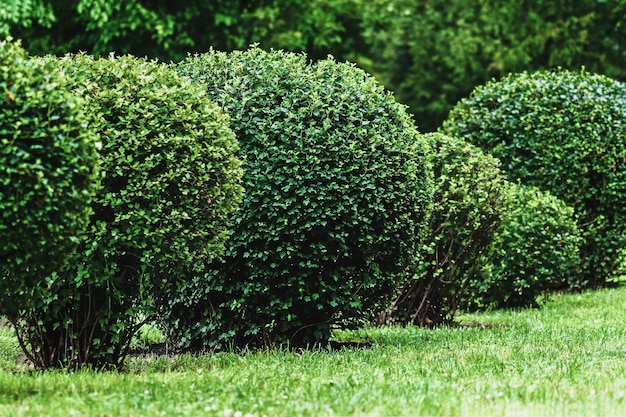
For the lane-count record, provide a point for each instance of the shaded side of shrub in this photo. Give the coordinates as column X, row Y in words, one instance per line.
column 563, row 132
column 534, row 251
column 469, row 201
column 338, row 190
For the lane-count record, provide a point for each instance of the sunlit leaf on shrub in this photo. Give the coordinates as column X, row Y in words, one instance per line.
column 48, row 169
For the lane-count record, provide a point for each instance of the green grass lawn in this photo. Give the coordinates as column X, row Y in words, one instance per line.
column 567, row 358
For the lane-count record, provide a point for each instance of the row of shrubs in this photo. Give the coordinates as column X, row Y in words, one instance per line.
column 546, row 215
column 124, row 200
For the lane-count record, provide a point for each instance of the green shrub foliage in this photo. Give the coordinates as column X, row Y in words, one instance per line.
column 563, row 132
column 534, row 251
column 171, row 181
column 47, row 174
column 469, row 200
column 337, row 195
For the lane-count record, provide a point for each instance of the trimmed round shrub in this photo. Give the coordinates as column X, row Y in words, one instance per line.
column 469, row 200
column 563, row 132
column 47, row 174
column 171, row 181
column 534, row 251
column 338, row 189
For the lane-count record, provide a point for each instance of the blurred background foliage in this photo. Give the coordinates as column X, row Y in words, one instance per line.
column 430, row 53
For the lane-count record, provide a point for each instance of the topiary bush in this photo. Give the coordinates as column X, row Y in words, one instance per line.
column 338, row 186
column 563, row 132
column 47, row 174
column 534, row 251
column 171, row 180
column 470, row 199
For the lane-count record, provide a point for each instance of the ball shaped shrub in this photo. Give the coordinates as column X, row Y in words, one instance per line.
column 171, row 181
column 534, row 251
column 469, row 200
column 337, row 197
column 47, row 174
column 562, row 131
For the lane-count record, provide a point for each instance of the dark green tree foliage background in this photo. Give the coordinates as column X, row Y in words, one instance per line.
column 430, row 53
column 169, row 29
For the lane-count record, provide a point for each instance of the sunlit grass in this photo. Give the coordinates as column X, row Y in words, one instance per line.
column 567, row 358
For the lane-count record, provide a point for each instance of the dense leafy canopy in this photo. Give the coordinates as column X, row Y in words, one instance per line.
column 470, row 198
column 338, row 187
column 534, row 251
column 47, row 174
column 433, row 53
column 169, row 29
column 430, row 53
column 562, row 131
column 171, row 180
